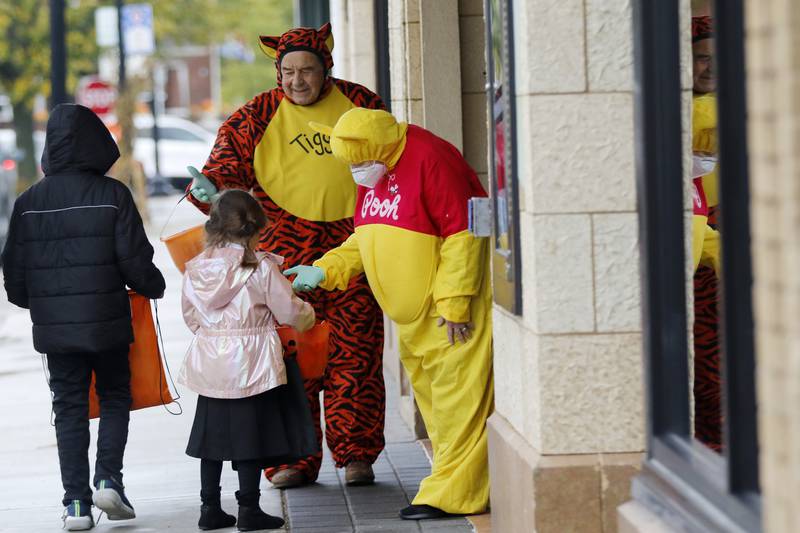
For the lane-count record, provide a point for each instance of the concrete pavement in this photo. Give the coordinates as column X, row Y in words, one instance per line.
column 162, row 482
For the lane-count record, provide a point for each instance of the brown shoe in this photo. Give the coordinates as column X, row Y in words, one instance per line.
column 286, row 479
column 359, row 473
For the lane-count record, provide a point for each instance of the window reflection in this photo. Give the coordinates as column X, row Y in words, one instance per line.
column 706, row 253
column 498, row 105
column 506, row 269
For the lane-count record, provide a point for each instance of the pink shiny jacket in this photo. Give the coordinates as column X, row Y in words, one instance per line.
column 233, row 312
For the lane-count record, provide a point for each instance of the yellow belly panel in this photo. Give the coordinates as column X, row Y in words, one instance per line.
column 295, row 166
column 400, row 265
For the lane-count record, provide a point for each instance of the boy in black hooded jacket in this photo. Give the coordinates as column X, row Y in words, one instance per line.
column 75, row 241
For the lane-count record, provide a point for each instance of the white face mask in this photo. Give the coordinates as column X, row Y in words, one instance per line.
column 702, row 165
column 368, row 175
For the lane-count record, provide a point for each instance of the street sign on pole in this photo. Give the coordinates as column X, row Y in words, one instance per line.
column 105, row 26
column 137, row 29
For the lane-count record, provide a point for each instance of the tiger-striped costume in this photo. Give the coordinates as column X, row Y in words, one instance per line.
column 253, row 151
column 707, row 369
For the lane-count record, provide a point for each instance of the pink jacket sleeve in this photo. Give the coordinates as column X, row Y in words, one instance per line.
column 189, row 310
column 288, row 309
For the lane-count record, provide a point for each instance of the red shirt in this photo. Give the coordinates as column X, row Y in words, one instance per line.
column 426, row 192
column 699, row 203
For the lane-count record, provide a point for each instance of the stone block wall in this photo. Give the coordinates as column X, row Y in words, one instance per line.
column 568, row 372
column 773, row 84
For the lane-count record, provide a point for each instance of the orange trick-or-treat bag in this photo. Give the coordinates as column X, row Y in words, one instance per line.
column 148, row 383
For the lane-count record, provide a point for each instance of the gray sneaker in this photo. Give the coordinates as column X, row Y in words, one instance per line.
column 109, row 497
column 78, row 516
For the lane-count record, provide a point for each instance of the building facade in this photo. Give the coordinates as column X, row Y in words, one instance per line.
column 570, row 112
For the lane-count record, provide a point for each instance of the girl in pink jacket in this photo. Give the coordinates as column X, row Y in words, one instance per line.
column 251, row 408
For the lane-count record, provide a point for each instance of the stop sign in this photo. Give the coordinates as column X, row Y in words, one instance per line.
column 97, row 95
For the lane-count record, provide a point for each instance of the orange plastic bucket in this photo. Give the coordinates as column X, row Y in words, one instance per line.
column 310, row 348
column 185, row 245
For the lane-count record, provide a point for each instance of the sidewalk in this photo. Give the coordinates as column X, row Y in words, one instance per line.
column 162, row 482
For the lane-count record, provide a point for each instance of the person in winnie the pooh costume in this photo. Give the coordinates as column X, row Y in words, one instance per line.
column 308, row 195
column 430, row 276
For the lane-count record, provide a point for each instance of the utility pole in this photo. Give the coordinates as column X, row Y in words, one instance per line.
column 158, row 186
column 126, row 105
column 58, row 54
column 121, row 45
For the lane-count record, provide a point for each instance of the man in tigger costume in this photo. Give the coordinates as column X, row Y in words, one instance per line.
column 309, row 196
column 705, row 240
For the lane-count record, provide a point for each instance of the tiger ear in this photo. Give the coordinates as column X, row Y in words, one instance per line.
column 269, row 45
column 325, row 32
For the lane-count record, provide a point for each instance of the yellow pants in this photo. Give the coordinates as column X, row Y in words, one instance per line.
column 454, row 389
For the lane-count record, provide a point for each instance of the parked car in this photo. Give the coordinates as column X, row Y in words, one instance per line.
column 181, row 143
column 8, row 189
column 8, row 146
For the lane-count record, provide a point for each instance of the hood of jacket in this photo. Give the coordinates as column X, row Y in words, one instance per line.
column 77, row 141
column 217, row 276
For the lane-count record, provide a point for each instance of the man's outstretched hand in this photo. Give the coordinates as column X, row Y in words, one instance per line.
column 307, row 277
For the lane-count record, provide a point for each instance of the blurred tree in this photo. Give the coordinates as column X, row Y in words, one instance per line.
column 25, row 63
column 250, row 18
column 228, row 21
column 25, row 53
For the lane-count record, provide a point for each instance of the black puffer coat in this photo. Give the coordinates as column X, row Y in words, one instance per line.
column 76, row 240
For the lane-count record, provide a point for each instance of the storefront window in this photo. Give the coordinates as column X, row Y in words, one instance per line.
column 684, row 481
column 503, row 167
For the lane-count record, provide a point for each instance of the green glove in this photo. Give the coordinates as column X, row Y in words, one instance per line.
column 308, row 277
column 202, row 188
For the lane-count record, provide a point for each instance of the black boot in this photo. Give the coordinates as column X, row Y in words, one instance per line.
column 251, row 517
column 211, row 514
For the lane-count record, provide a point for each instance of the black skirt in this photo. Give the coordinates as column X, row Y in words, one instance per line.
column 273, row 427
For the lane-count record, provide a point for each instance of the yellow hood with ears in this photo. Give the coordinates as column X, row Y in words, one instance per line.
column 366, row 135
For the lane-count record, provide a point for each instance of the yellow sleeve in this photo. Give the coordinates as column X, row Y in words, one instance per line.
column 462, row 265
column 340, row 264
column 710, row 254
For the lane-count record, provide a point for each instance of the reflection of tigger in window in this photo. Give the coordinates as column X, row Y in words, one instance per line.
column 705, row 240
